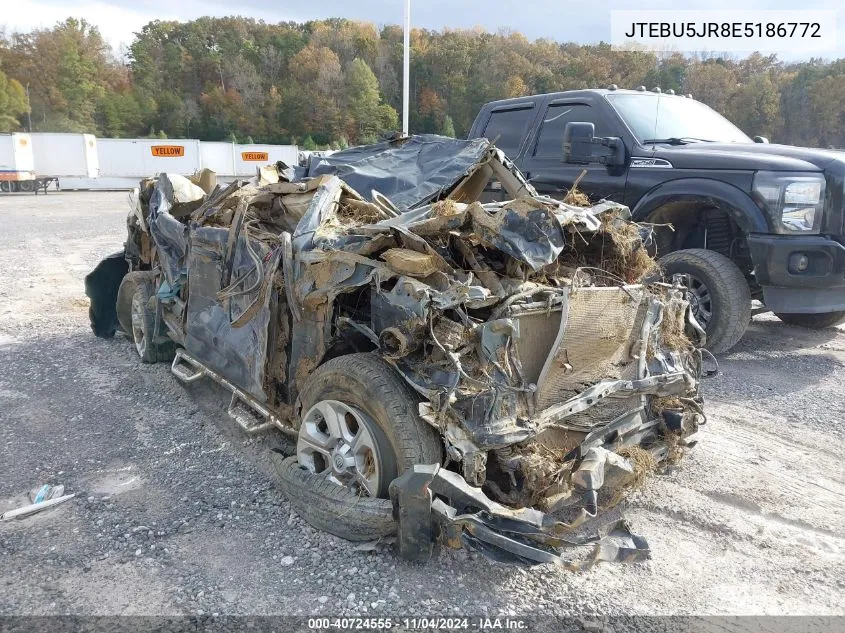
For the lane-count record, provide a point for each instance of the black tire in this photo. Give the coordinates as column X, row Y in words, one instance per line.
column 128, row 286
column 335, row 509
column 6, row 186
column 729, row 293
column 812, row 321
column 368, row 383
column 26, row 185
column 151, row 344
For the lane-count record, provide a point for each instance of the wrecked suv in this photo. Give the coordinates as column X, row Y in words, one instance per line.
column 485, row 375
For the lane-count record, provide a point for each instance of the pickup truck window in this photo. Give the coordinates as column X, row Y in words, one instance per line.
column 654, row 116
column 510, row 126
column 550, row 138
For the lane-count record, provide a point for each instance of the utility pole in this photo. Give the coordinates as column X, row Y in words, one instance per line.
column 28, row 109
column 406, row 68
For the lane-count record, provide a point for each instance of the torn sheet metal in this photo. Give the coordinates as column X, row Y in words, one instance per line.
column 213, row 335
column 432, row 504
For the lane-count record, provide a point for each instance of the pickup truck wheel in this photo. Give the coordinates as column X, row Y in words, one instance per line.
column 359, row 430
column 813, row 321
column 719, row 295
column 147, row 339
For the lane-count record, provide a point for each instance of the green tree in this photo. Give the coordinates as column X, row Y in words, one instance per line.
column 448, row 128
column 369, row 116
column 339, row 80
column 828, row 97
column 12, row 103
column 755, row 106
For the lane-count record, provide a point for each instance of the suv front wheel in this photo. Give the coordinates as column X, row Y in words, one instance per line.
column 719, row 295
column 359, row 430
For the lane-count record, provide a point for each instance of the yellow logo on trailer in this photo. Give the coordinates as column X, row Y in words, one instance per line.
column 168, row 151
column 255, row 156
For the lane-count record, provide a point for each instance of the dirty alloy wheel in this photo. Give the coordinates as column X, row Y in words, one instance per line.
column 343, row 444
column 813, row 321
column 719, row 295
column 359, row 430
column 148, row 342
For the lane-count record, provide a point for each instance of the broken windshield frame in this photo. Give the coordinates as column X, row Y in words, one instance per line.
column 656, row 118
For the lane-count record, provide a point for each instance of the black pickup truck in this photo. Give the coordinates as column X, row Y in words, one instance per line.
column 741, row 218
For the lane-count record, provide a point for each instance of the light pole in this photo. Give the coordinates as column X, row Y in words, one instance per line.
column 406, row 67
column 28, row 109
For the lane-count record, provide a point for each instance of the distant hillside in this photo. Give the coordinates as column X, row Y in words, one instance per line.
column 334, row 82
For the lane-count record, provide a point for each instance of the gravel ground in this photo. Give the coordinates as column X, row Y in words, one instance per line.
column 176, row 512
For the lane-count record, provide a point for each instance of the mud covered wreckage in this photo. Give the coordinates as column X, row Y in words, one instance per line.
column 489, row 375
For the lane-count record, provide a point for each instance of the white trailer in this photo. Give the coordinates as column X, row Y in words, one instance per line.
column 249, row 157
column 65, row 156
column 17, row 166
column 234, row 160
column 219, row 157
column 124, row 161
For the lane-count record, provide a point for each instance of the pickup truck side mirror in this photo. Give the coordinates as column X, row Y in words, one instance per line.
column 578, row 143
column 760, row 139
column 580, row 146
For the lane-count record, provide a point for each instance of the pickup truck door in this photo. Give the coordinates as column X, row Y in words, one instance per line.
column 541, row 159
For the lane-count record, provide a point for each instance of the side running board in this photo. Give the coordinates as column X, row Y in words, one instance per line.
column 249, row 414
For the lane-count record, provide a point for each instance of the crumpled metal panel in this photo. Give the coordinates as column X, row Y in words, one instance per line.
column 541, row 328
column 410, row 172
column 524, row 228
column 236, row 353
column 613, row 319
column 169, row 234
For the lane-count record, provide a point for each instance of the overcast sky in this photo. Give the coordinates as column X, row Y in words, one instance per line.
column 583, row 21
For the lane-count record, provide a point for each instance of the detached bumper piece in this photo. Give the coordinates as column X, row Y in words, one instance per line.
column 431, row 504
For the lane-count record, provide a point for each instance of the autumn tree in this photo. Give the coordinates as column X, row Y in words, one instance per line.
column 12, row 103
column 339, row 81
column 828, row 110
column 368, row 115
column 755, row 106
column 712, row 82
column 69, row 69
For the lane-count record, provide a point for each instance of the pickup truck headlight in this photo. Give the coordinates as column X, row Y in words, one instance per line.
column 795, row 202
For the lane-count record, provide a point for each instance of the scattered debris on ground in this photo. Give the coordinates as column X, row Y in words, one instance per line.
column 42, row 498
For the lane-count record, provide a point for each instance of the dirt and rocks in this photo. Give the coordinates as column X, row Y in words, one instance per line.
column 176, row 511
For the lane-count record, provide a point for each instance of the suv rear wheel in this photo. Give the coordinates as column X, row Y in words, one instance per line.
column 719, row 295
column 152, row 346
column 360, row 429
column 813, row 321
